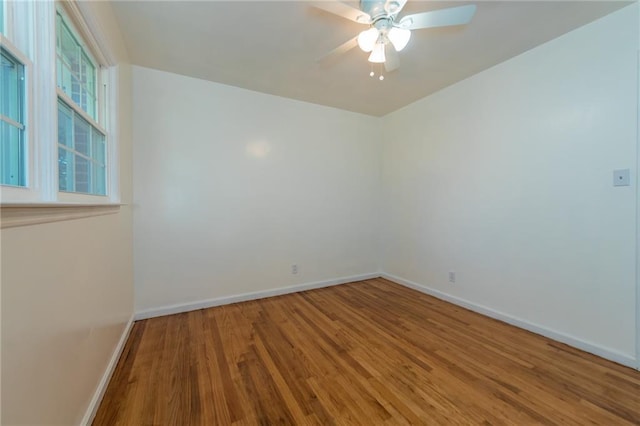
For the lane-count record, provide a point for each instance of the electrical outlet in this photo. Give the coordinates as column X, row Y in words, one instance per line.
column 621, row 177
column 452, row 276
column 294, row 269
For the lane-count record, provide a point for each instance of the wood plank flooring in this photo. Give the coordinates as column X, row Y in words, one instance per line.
column 364, row 353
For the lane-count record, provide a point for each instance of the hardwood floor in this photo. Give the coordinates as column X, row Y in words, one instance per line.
column 367, row 353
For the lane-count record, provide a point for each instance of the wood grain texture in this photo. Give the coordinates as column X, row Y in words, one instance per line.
column 364, row 353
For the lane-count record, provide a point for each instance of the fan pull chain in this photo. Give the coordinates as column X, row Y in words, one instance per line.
column 372, row 74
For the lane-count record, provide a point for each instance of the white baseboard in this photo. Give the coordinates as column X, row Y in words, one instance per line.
column 104, row 381
column 600, row 351
column 243, row 297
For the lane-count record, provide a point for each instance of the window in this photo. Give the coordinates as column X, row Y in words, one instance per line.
column 57, row 87
column 12, row 123
column 81, row 153
column 1, row 16
column 81, row 140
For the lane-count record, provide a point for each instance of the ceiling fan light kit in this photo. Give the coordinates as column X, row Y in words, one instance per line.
column 399, row 37
column 377, row 54
column 386, row 35
column 368, row 38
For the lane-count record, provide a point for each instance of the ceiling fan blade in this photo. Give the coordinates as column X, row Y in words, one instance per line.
column 392, row 59
column 330, row 58
column 439, row 18
column 343, row 10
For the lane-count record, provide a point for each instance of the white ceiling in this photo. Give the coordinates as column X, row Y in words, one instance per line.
column 273, row 46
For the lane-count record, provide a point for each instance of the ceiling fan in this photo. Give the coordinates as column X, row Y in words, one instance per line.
column 387, row 35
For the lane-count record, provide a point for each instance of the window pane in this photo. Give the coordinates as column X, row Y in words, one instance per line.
column 12, row 85
column 65, row 125
column 76, row 72
column 69, row 49
column 99, row 182
column 12, row 161
column 99, row 155
column 67, row 56
column 82, row 135
column 98, row 150
column 83, row 175
column 87, row 77
column 66, row 81
column 65, row 170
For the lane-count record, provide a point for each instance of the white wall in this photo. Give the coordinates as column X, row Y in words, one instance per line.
column 506, row 178
column 637, row 182
column 232, row 187
column 67, row 293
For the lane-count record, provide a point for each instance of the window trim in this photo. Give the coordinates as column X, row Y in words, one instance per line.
column 90, row 31
column 7, row 24
column 14, row 215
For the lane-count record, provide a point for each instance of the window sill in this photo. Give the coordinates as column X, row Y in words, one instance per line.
column 14, row 215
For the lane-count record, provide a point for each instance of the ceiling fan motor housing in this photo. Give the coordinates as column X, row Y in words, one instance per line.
column 379, row 8
column 383, row 24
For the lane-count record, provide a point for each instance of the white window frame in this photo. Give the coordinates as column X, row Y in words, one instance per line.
column 30, row 35
column 102, row 99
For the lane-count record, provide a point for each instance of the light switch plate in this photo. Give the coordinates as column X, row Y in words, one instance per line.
column 621, row 177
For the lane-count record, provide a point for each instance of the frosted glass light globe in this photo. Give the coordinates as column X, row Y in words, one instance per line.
column 399, row 37
column 367, row 39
